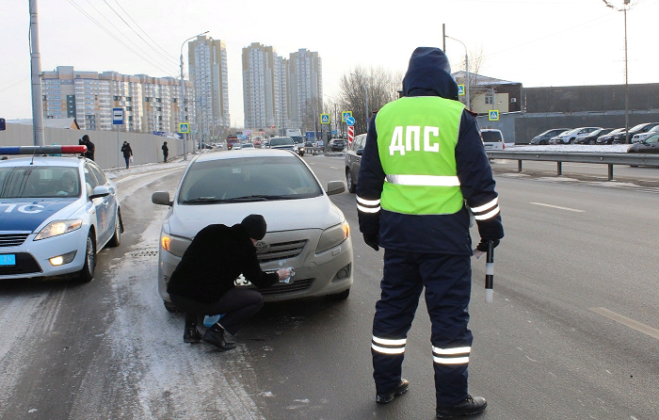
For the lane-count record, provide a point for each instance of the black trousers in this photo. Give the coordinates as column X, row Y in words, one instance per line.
column 239, row 304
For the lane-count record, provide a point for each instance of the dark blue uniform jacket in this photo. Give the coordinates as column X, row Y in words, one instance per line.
column 429, row 75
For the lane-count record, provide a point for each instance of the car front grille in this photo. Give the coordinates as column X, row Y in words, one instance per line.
column 13, row 239
column 282, row 251
column 280, row 288
column 25, row 264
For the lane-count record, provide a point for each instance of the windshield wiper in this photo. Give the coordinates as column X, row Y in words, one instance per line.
column 259, row 197
column 203, row 200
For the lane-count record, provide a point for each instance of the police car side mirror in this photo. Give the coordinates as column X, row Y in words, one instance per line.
column 100, row 191
column 161, row 197
column 359, row 152
column 335, row 187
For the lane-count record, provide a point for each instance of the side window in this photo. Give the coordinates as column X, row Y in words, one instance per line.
column 98, row 173
column 90, row 180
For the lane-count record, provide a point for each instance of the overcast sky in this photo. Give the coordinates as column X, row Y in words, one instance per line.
column 535, row 42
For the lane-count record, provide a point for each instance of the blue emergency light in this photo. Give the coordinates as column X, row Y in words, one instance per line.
column 41, row 150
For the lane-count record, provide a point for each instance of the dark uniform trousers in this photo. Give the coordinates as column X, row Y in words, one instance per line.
column 447, row 280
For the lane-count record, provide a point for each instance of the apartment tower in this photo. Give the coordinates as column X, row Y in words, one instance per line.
column 306, row 88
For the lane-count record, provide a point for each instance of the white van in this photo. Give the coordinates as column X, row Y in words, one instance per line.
column 492, row 139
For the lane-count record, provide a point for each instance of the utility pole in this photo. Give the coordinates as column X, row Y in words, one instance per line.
column 37, row 105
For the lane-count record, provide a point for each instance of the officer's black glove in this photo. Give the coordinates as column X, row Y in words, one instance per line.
column 372, row 240
column 482, row 246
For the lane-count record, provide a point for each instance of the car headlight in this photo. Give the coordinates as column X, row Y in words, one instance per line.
column 58, row 227
column 333, row 236
column 173, row 244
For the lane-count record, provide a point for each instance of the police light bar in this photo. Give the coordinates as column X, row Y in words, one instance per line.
column 41, row 150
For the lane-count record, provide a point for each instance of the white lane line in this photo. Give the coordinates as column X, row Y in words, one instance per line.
column 559, row 207
column 654, row 333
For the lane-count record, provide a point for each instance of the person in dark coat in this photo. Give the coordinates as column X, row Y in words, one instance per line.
column 428, row 148
column 203, row 282
column 90, row 147
column 165, row 150
column 128, row 152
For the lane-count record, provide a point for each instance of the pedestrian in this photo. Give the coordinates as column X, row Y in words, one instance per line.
column 203, row 282
column 128, row 153
column 89, row 154
column 165, row 150
column 424, row 171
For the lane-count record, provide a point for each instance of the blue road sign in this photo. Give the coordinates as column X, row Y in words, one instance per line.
column 345, row 115
column 461, row 90
column 324, row 118
column 350, row 121
column 184, row 127
column 493, row 115
column 117, row 116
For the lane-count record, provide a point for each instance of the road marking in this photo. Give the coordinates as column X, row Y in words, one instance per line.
column 332, row 167
column 559, row 207
column 654, row 333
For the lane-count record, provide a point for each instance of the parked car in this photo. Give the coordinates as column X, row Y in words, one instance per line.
column 621, row 138
column 353, row 159
column 591, row 138
column 543, row 138
column 306, row 231
column 257, row 143
column 648, row 145
column 493, row 139
column 336, row 145
column 236, row 146
column 608, row 138
column 204, row 146
column 247, row 146
column 642, row 136
column 570, row 136
column 58, row 213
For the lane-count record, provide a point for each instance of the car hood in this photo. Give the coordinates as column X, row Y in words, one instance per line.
column 24, row 214
column 280, row 215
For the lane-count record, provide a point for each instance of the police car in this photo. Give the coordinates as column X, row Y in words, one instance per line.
column 56, row 213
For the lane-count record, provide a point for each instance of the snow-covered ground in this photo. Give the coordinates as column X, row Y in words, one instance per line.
column 581, row 148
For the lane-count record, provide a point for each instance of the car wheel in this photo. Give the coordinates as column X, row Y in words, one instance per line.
column 115, row 241
column 591, row 142
column 170, row 306
column 301, row 153
column 543, row 143
column 339, row 296
column 351, row 185
column 87, row 273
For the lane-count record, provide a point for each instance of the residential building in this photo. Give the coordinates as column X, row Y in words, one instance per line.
column 207, row 64
column 305, row 88
column 487, row 93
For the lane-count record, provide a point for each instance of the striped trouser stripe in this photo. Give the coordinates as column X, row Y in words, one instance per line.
column 389, row 346
column 451, row 356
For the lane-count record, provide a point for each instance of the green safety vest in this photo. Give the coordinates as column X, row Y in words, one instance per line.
column 416, row 142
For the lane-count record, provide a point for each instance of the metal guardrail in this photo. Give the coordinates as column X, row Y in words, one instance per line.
column 610, row 159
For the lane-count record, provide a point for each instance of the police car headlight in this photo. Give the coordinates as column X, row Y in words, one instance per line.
column 333, row 236
column 58, row 227
column 173, row 244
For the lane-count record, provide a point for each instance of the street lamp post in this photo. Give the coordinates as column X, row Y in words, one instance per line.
column 466, row 69
column 182, row 97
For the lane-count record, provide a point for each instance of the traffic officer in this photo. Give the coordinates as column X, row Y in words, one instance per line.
column 424, row 172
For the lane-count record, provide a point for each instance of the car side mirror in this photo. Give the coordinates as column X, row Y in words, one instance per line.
column 161, row 197
column 335, row 187
column 99, row 191
column 359, row 152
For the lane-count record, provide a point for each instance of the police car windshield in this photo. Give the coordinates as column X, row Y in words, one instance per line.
column 39, row 182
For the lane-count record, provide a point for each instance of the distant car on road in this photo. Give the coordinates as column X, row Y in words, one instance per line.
column 591, row 138
column 287, row 143
column 648, row 145
column 493, row 139
column 353, row 160
column 570, row 136
column 543, row 138
column 247, row 146
column 336, row 145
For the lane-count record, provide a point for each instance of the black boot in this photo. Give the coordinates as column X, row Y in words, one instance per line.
column 388, row 397
column 469, row 407
column 190, row 334
column 215, row 336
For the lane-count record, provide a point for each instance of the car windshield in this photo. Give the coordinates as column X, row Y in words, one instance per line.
column 259, row 178
column 638, row 127
column 297, row 139
column 39, row 182
column 491, row 136
column 652, row 139
column 281, row 141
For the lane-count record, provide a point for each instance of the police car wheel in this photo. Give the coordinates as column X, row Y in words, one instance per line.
column 169, row 306
column 87, row 272
column 116, row 238
column 339, row 296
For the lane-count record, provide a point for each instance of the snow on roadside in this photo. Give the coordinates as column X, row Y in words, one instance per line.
column 581, row 148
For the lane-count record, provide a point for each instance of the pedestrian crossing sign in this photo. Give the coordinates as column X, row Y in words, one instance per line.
column 493, row 115
column 324, row 118
column 461, row 90
column 184, row 128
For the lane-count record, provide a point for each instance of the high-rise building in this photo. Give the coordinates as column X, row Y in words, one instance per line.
column 265, row 84
column 208, row 73
column 149, row 103
column 305, row 88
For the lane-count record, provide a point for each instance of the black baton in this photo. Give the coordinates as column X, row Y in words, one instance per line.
column 489, row 273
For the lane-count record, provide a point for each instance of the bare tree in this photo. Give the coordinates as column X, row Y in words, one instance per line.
column 476, row 63
column 363, row 91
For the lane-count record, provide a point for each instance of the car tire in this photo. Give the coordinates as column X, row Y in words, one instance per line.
column 339, row 296
column 543, row 143
column 301, row 154
column 169, row 306
column 87, row 273
column 352, row 188
column 115, row 241
column 591, row 142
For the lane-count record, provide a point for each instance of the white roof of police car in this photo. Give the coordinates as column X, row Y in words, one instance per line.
column 241, row 154
column 68, row 161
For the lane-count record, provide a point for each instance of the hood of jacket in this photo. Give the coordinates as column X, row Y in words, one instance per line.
column 429, row 74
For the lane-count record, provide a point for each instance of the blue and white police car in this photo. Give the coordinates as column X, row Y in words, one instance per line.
column 56, row 213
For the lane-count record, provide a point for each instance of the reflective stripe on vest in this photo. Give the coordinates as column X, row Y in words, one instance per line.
column 451, row 356
column 388, row 346
column 417, row 137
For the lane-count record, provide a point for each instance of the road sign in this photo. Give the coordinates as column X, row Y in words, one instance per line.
column 117, row 116
column 324, row 118
column 461, row 90
column 493, row 115
column 351, row 133
column 184, row 128
column 345, row 115
column 350, row 121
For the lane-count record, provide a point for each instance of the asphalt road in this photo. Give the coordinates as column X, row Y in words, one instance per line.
column 572, row 332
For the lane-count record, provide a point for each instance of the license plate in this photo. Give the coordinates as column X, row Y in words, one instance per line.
column 8, row 259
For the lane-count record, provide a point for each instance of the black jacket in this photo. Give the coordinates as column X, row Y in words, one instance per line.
column 90, row 149
column 165, row 149
column 127, row 151
column 429, row 74
column 214, row 259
